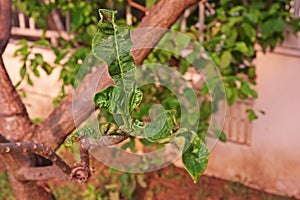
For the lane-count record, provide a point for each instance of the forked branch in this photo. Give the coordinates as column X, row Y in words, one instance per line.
column 79, row 173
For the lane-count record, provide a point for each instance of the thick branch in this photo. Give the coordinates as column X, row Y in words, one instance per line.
column 5, row 25
column 22, row 190
column 162, row 15
column 14, row 121
column 60, row 123
column 79, row 173
column 42, row 150
column 41, row 173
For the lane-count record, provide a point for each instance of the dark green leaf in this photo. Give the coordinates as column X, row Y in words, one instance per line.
column 272, row 26
column 23, row 71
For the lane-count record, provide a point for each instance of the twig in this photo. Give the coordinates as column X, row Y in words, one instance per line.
column 137, row 6
column 81, row 172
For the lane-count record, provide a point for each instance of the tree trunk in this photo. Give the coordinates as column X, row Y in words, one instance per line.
column 14, row 120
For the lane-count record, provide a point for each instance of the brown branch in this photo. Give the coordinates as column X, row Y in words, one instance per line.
column 137, row 6
column 22, row 189
column 5, row 25
column 40, row 149
column 161, row 15
column 40, row 173
column 14, row 120
column 84, row 155
column 79, row 173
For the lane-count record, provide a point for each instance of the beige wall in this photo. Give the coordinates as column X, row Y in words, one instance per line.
column 272, row 160
column 39, row 100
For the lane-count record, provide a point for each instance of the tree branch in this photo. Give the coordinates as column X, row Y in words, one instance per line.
column 161, row 15
column 5, row 25
column 14, row 120
column 40, row 173
column 79, row 173
column 137, row 6
column 40, row 149
column 24, row 190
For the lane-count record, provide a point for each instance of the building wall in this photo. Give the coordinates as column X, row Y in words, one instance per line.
column 39, row 98
column 272, row 160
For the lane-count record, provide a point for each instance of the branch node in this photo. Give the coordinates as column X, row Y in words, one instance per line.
column 80, row 173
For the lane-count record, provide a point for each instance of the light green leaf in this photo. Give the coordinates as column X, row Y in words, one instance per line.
column 225, row 59
column 241, row 47
column 161, row 126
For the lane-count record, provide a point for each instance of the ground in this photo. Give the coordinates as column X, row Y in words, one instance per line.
column 166, row 184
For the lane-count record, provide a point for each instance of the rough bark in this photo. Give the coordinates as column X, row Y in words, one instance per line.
column 14, row 120
column 13, row 116
column 162, row 15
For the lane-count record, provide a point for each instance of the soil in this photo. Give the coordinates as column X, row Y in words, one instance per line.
column 170, row 183
column 173, row 183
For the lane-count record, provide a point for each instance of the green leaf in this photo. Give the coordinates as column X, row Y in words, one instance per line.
column 42, row 42
column 29, row 80
column 225, row 59
column 76, row 20
column 23, row 71
column 245, row 89
column 251, row 115
column 112, row 44
column 162, row 124
column 231, row 92
column 47, row 68
column 195, row 156
column 249, row 31
column 241, row 47
column 103, row 98
column 221, row 135
column 272, row 26
column 136, row 99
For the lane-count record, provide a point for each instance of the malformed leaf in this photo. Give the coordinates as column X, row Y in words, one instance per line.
column 195, row 156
